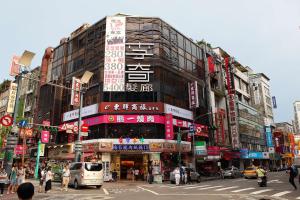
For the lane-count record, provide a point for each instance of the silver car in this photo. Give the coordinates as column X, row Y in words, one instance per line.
column 195, row 176
column 232, row 173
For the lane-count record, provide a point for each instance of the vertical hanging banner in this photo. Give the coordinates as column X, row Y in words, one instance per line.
column 193, row 95
column 235, row 139
column 45, row 136
column 274, row 102
column 12, row 97
column 169, row 132
column 75, row 94
column 114, row 60
column 15, row 67
column 269, row 138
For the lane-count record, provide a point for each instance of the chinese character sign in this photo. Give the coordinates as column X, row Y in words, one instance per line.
column 12, row 98
column 169, row 132
column 193, row 95
column 235, row 140
column 114, row 60
column 75, row 95
column 45, row 136
column 138, row 73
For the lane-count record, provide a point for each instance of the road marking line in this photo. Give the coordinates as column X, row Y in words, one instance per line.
column 281, row 194
column 298, row 198
column 105, row 191
column 212, row 187
column 181, row 186
column 239, row 180
column 271, row 181
column 261, row 191
column 148, row 190
column 199, row 186
column 241, row 190
column 227, row 188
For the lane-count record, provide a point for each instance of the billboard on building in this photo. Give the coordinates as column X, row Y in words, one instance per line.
column 235, row 139
column 269, row 136
column 12, row 97
column 75, row 94
column 193, row 95
column 114, row 59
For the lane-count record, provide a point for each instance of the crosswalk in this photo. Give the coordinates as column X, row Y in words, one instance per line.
column 229, row 189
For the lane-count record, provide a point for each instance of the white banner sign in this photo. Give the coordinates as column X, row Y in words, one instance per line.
column 179, row 112
column 114, row 60
column 193, row 95
column 86, row 111
column 12, row 97
column 75, row 95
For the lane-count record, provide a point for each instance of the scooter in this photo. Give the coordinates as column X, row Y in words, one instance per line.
column 262, row 181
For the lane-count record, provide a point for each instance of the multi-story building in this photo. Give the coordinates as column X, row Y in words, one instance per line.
column 297, row 116
column 245, row 119
column 284, row 142
column 138, row 99
column 4, row 96
column 261, row 96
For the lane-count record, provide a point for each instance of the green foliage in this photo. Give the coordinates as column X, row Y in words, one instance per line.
column 4, row 85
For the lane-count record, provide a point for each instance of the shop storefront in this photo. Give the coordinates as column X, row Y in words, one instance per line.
column 249, row 158
column 124, row 155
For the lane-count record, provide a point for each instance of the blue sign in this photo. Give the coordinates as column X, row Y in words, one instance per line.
column 274, row 102
column 192, row 128
column 251, row 154
column 269, row 136
column 23, row 123
column 131, row 147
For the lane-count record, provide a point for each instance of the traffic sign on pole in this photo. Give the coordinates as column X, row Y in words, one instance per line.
column 192, row 128
column 6, row 120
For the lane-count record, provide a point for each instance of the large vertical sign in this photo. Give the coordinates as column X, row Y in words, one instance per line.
column 138, row 72
column 12, row 97
column 193, row 95
column 114, row 60
column 15, row 67
column 235, row 140
column 75, row 94
column 269, row 136
column 169, row 127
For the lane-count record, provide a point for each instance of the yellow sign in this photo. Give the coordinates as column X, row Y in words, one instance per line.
column 12, row 97
column 42, row 149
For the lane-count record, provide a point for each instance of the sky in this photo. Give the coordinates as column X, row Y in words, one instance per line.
column 264, row 35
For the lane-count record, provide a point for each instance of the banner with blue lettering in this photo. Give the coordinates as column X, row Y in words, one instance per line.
column 269, row 138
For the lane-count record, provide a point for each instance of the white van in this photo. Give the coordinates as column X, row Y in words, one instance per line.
column 86, row 174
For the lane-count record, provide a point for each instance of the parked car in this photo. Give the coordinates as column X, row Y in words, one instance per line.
column 250, row 172
column 86, row 174
column 195, row 176
column 232, row 172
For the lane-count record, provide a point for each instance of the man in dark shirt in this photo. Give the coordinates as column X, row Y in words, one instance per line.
column 291, row 170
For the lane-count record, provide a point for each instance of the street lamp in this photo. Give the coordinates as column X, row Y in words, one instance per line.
column 78, row 146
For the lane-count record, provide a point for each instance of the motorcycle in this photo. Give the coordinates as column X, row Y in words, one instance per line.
column 262, row 181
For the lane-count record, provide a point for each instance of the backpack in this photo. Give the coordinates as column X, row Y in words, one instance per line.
column 295, row 171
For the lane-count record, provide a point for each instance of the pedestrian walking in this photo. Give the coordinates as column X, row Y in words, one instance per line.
column 41, row 176
column 66, row 178
column 188, row 176
column 25, row 191
column 177, row 175
column 150, row 176
column 48, row 179
column 20, row 175
column 293, row 174
column 136, row 174
column 182, row 178
column 12, row 180
column 3, row 180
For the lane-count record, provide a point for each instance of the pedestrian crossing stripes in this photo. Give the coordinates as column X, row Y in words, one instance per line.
column 227, row 188
column 281, row 194
column 198, row 186
column 261, row 191
column 242, row 190
column 212, row 187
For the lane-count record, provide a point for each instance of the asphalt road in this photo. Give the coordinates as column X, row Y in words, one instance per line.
column 228, row 189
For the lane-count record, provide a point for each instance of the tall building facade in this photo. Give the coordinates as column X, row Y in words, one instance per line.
column 147, row 89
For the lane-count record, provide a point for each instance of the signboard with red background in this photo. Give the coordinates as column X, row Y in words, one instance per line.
column 131, row 107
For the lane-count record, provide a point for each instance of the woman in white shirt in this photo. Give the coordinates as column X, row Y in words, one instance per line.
column 177, row 175
column 48, row 180
column 65, row 178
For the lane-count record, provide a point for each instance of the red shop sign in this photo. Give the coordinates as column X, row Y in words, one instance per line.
column 45, row 136
column 213, row 151
column 131, row 107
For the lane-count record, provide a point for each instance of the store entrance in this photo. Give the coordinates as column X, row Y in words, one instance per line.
column 130, row 162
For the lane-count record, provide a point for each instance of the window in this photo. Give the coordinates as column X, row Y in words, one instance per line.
column 188, row 46
column 93, row 166
column 180, row 41
column 181, row 62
